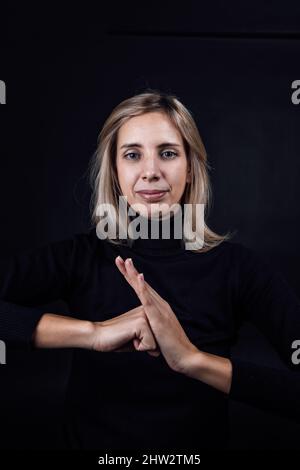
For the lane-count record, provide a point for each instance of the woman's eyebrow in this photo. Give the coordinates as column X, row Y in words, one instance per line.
column 164, row 144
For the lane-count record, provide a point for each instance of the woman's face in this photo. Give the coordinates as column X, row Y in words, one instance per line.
column 151, row 157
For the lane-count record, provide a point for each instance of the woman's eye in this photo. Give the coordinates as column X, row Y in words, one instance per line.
column 128, row 155
column 173, row 154
column 168, row 155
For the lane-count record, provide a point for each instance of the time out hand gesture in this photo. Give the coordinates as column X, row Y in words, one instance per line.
column 169, row 334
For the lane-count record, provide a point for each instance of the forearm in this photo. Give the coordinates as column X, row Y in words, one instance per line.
column 58, row 331
column 210, row 369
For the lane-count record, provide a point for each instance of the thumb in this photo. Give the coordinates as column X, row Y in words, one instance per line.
column 155, row 352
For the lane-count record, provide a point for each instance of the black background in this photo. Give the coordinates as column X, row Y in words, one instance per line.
column 232, row 64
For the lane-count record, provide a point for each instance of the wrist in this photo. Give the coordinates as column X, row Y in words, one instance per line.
column 194, row 364
column 86, row 335
column 210, row 369
column 61, row 331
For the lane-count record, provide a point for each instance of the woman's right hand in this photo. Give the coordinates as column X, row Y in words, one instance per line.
column 130, row 331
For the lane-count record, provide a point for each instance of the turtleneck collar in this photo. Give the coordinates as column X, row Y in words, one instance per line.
column 159, row 239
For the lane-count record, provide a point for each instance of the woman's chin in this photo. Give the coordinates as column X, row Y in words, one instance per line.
column 154, row 211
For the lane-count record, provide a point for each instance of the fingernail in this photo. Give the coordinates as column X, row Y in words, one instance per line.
column 141, row 276
column 129, row 260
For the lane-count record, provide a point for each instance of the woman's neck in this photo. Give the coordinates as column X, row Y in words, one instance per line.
column 157, row 234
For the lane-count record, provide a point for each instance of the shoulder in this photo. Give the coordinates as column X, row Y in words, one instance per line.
column 248, row 263
column 233, row 250
column 257, row 273
column 78, row 244
column 249, row 260
column 248, row 257
column 83, row 244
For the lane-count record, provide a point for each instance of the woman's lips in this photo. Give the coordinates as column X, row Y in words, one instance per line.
column 155, row 196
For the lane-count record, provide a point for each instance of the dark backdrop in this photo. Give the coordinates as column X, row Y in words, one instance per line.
column 232, row 64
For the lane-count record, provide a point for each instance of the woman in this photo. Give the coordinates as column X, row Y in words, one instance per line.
column 179, row 309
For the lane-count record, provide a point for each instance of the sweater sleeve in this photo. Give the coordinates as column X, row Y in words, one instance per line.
column 29, row 280
column 266, row 300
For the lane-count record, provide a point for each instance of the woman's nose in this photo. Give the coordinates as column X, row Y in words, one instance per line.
column 150, row 168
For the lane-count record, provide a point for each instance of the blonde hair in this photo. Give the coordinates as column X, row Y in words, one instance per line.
column 103, row 172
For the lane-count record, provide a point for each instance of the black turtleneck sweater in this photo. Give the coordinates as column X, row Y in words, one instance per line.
column 134, row 400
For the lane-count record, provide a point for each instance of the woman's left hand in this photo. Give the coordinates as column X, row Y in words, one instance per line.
column 174, row 344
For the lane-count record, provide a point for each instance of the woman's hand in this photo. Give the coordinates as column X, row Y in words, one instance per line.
column 127, row 332
column 174, row 344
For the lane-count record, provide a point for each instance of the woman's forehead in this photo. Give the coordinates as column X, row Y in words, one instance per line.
column 149, row 130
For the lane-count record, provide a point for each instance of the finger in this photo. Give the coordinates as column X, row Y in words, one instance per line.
column 133, row 274
column 145, row 340
column 128, row 270
column 121, row 266
column 152, row 309
column 153, row 292
column 143, row 290
column 154, row 353
column 147, row 294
